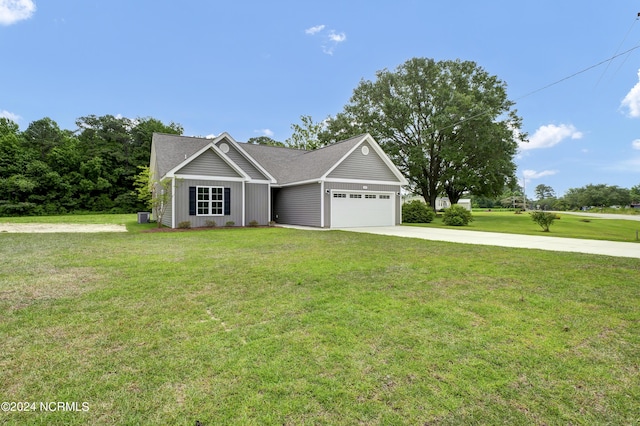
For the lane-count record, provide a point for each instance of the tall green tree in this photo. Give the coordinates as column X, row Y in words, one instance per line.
column 634, row 193
column 42, row 136
column 13, row 158
column 306, row 135
column 265, row 140
column 47, row 170
column 600, row 195
column 544, row 191
column 122, row 145
column 142, row 131
column 448, row 125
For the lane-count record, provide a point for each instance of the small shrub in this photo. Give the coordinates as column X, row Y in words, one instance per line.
column 417, row 212
column 272, row 223
column 230, row 223
column 184, row 225
column 210, row 223
column 544, row 219
column 254, row 224
column 456, row 215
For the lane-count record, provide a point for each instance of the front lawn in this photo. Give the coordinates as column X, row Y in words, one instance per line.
column 282, row 326
column 568, row 226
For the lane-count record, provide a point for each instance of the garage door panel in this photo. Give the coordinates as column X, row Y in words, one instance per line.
column 350, row 210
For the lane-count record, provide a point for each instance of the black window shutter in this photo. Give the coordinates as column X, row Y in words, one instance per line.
column 192, row 200
column 227, row 201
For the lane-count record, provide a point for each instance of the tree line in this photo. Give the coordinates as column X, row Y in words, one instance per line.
column 447, row 125
column 545, row 198
column 46, row 170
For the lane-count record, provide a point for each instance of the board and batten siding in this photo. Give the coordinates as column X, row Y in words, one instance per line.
column 395, row 189
column 181, row 202
column 363, row 167
column 257, row 204
column 208, row 164
column 242, row 162
column 298, row 205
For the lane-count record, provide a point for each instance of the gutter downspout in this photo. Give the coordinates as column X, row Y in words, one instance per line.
column 173, row 202
column 322, row 204
column 244, row 199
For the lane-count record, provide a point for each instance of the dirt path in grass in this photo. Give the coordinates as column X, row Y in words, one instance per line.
column 60, row 227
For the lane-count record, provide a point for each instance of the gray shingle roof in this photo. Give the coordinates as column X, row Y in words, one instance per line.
column 293, row 165
column 286, row 165
column 172, row 150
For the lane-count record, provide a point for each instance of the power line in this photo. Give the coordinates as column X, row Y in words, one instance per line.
column 547, row 86
column 618, row 49
column 579, row 72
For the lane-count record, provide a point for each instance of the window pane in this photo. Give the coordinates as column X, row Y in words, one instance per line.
column 203, row 193
column 216, row 194
column 216, row 207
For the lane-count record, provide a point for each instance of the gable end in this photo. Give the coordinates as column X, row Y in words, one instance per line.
column 208, row 164
column 363, row 163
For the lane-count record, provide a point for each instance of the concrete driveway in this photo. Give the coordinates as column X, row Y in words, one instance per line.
column 607, row 248
column 603, row 215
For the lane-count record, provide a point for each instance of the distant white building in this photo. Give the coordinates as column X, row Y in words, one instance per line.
column 442, row 202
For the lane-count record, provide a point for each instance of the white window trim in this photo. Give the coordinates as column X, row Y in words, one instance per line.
column 209, row 201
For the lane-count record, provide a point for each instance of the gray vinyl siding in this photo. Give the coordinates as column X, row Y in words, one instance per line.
column 298, row 205
column 243, row 163
column 168, row 214
column 166, row 218
column 365, row 167
column 359, row 187
column 257, row 204
column 182, row 203
column 208, row 164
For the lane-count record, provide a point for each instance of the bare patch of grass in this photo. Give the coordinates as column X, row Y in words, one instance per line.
column 45, row 284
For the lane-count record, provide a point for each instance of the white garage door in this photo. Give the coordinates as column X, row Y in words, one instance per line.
column 365, row 208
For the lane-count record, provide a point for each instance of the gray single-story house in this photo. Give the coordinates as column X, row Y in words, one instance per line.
column 348, row 184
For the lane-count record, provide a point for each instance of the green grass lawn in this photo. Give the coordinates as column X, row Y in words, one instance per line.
column 568, row 226
column 282, row 326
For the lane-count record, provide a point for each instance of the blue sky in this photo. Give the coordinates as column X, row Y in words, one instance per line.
column 252, row 68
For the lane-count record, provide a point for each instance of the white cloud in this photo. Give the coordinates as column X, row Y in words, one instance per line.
column 550, row 135
column 314, row 30
column 636, row 144
column 532, row 174
column 338, row 38
column 211, row 136
column 266, row 132
column 631, row 165
column 330, row 39
column 632, row 100
column 12, row 11
column 11, row 116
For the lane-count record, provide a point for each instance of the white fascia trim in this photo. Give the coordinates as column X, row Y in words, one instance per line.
column 302, row 182
column 363, row 182
column 244, row 153
column 220, row 154
column 203, row 177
